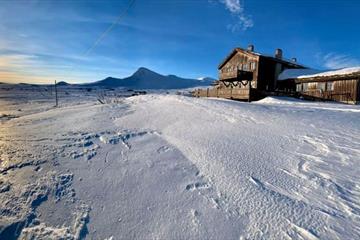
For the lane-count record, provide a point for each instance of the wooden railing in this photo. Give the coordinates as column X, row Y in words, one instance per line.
column 237, row 74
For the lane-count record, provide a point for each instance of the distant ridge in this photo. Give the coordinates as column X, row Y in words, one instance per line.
column 145, row 78
column 62, row 83
column 142, row 78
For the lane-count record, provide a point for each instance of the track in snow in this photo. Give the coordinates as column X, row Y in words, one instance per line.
column 166, row 166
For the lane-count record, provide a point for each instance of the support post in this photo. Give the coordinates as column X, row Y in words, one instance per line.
column 56, row 96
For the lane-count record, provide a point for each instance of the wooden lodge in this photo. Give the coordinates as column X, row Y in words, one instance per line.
column 247, row 75
column 341, row 85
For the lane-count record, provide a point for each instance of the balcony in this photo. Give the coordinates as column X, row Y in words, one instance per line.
column 237, row 75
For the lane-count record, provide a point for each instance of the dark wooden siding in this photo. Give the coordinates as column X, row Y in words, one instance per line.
column 269, row 70
column 286, row 85
column 346, row 91
column 266, row 77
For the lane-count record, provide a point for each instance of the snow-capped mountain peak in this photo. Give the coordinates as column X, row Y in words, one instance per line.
column 206, row 79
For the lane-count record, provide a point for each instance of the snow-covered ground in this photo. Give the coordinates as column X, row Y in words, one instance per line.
column 167, row 166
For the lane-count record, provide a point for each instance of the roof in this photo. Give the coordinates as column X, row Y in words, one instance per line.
column 242, row 50
column 295, row 73
column 303, row 74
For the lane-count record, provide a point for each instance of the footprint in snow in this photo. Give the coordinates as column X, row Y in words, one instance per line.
column 163, row 149
column 197, row 186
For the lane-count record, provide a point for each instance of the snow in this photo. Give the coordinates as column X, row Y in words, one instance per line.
column 295, row 73
column 167, row 166
column 208, row 79
column 309, row 73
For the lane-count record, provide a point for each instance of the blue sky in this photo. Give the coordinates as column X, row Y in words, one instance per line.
column 41, row 41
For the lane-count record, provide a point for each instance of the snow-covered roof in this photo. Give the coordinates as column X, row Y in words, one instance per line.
column 311, row 73
column 296, row 73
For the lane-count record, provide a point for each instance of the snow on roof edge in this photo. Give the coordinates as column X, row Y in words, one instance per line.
column 310, row 73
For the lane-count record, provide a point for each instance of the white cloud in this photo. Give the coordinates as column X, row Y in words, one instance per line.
column 335, row 61
column 236, row 8
column 233, row 6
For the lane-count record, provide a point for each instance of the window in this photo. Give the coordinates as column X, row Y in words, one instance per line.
column 321, row 86
column 305, row 87
column 298, row 87
column 330, row 86
column 245, row 67
column 252, row 65
column 312, row 86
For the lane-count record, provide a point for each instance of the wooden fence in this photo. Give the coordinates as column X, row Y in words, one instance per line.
column 239, row 94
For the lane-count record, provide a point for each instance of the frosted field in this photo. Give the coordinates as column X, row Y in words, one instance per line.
column 165, row 166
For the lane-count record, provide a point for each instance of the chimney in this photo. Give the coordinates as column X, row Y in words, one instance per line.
column 250, row 48
column 278, row 53
column 293, row 59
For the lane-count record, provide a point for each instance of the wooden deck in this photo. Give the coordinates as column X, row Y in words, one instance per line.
column 238, row 94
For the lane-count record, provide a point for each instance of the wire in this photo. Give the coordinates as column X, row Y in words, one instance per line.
column 102, row 36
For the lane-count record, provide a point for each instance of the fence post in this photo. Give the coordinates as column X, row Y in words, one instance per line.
column 56, row 96
column 249, row 91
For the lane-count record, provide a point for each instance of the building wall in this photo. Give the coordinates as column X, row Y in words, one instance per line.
column 269, row 73
column 245, row 61
column 266, row 78
column 346, row 91
column 286, row 85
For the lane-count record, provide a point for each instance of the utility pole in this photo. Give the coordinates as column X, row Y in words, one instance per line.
column 56, row 96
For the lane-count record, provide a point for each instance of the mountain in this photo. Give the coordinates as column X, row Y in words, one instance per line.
column 62, row 83
column 144, row 78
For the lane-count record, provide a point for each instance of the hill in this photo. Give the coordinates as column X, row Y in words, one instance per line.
column 144, row 78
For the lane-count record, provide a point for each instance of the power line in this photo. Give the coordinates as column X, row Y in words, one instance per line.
column 99, row 39
column 102, row 36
